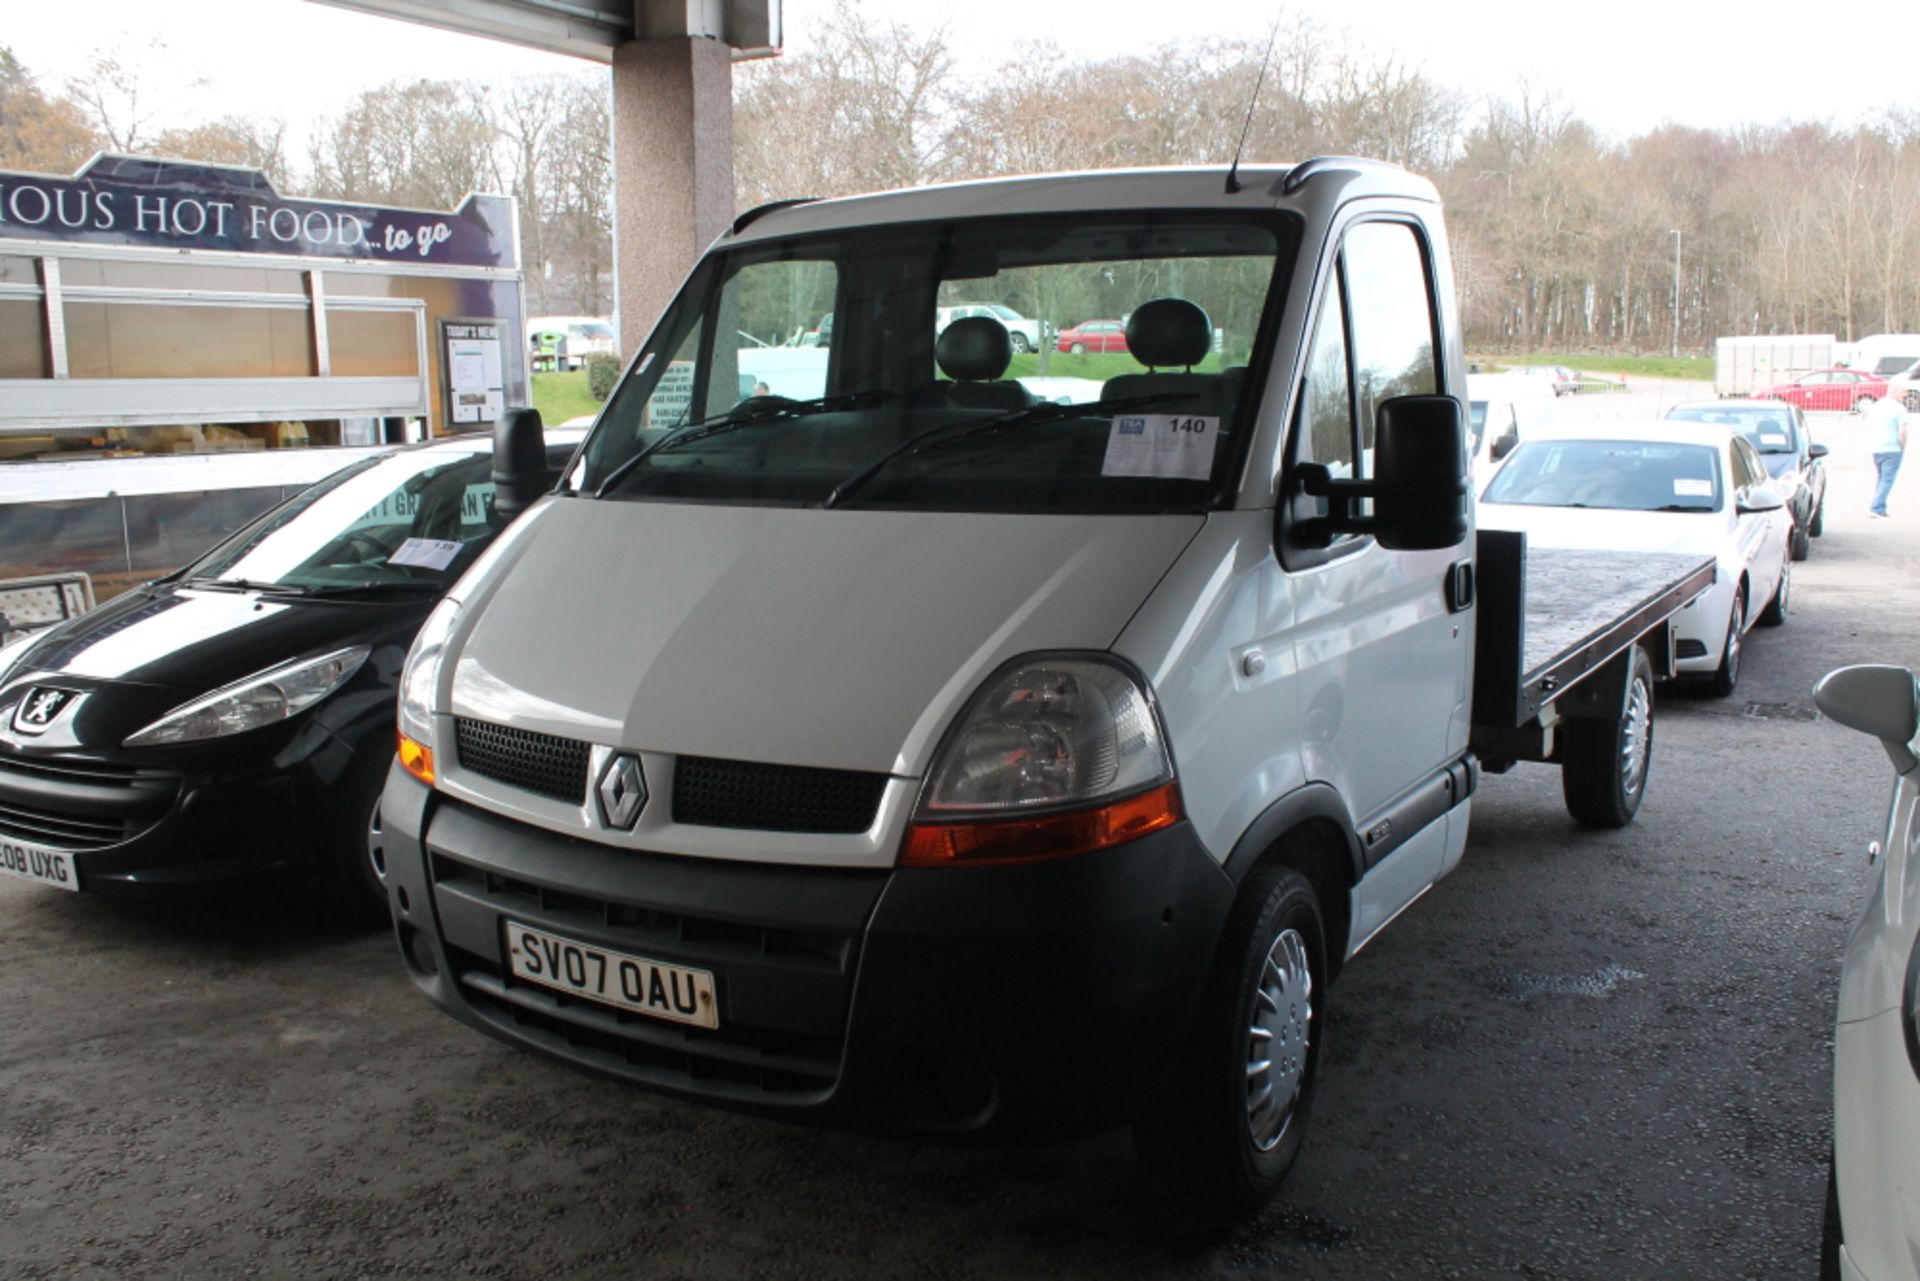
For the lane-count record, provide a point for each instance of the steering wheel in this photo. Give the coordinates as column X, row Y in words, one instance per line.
column 364, row 547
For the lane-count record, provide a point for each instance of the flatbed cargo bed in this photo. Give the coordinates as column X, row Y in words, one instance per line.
column 1549, row 617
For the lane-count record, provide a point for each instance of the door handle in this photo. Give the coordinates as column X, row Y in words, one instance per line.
column 1459, row 586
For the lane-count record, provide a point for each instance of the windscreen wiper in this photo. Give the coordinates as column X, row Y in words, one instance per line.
column 734, row 419
column 247, row 585
column 972, row 428
column 395, row 587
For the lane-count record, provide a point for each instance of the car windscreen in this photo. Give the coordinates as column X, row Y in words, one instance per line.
column 1769, row 431
column 416, row 517
column 728, row 404
column 1624, row 475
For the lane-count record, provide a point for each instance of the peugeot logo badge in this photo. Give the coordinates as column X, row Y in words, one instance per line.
column 623, row 792
column 41, row 707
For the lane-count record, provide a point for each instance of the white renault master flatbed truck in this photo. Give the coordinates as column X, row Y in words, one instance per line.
column 923, row 756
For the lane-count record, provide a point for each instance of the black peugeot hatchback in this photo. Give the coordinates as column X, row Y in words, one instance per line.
column 235, row 719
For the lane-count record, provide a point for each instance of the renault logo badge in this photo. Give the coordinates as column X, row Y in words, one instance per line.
column 41, row 707
column 623, row 792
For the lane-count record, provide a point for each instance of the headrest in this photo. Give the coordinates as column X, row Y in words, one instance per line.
column 1168, row 332
column 974, row 349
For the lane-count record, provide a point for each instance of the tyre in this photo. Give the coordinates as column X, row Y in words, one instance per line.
column 1860, row 405
column 1799, row 544
column 1021, row 345
column 1727, row 675
column 1604, row 763
column 1230, row 1125
column 1078, row 349
column 1776, row 611
column 1818, row 524
column 357, row 851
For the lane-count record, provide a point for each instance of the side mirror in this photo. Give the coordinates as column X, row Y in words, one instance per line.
column 1419, row 488
column 520, row 472
column 1754, row 500
column 1504, row 446
column 1878, row 700
column 1818, row 451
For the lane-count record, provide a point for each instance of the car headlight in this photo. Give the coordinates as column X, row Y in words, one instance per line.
column 417, row 680
column 264, row 698
column 1056, row 755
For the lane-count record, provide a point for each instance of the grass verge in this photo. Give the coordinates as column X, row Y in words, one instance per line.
column 559, row 397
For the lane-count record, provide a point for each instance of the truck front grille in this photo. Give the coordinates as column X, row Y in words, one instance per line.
column 774, row 798
column 783, row 992
column 539, row 763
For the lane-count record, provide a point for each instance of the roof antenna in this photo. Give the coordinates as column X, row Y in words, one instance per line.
column 1233, row 173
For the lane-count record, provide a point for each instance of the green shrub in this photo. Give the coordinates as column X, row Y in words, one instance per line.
column 602, row 373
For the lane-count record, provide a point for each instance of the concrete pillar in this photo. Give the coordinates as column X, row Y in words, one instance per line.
column 672, row 170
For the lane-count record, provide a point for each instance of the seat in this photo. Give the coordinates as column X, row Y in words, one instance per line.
column 973, row 352
column 1172, row 332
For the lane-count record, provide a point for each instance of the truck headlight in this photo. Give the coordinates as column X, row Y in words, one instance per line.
column 1056, row 755
column 264, row 698
column 417, row 681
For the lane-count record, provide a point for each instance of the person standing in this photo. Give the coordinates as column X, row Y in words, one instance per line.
column 1887, row 440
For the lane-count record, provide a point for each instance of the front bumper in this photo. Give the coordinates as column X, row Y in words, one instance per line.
column 992, row 1003
column 147, row 825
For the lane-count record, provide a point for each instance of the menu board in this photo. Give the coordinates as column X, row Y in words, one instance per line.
column 473, row 370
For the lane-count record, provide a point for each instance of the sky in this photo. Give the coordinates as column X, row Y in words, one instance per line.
column 1629, row 67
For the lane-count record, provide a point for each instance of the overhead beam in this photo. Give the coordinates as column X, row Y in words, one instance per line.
column 592, row 28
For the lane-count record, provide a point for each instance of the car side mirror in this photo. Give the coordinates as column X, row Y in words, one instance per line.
column 1754, row 500
column 1419, row 487
column 1818, row 451
column 1875, row 699
column 1504, row 446
column 520, row 472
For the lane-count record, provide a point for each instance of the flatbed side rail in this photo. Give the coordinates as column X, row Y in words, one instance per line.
column 1550, row 617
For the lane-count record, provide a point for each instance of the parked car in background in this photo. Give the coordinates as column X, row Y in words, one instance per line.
column 1093, row 335
column 1564, row 381
column 235, row 719
column 1904, row 386
column 579, row 337
column 1654, row 487
column 1501, row 410
column 1874, row 1181
column 1779, row 434
column 1026, row 334
column 1832, row 390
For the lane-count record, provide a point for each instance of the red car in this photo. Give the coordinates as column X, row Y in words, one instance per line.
column 1094, row 335
column 1830, row 389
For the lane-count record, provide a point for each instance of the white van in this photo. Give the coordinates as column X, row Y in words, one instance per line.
column 933, row 757
column 1501, row 410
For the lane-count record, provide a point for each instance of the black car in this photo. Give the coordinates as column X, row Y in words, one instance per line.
column 235, row 719
column 1778, row 432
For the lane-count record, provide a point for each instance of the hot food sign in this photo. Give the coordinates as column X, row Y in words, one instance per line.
column 171, row 204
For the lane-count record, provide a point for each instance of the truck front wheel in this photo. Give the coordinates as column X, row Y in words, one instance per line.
column 1604, row 763
column 1230, row 1126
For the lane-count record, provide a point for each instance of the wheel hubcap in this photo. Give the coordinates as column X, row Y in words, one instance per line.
column 1639, row 736
column 377, row 843
column 1280, row 1030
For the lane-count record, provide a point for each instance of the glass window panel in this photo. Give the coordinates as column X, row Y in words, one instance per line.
column 18, row 271
column 1326, row 410
column 137, row 340
column 1392, row 319
column 175, row 275
column 81, row 534
column 165, row 531
column 23, row 342
column 370, row 343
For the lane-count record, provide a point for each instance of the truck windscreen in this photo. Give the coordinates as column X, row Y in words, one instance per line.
column 1094, row 363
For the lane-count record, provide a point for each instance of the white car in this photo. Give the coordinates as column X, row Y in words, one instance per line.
column 1026, row 334
column 1873, row 1195
column 1660, row 486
